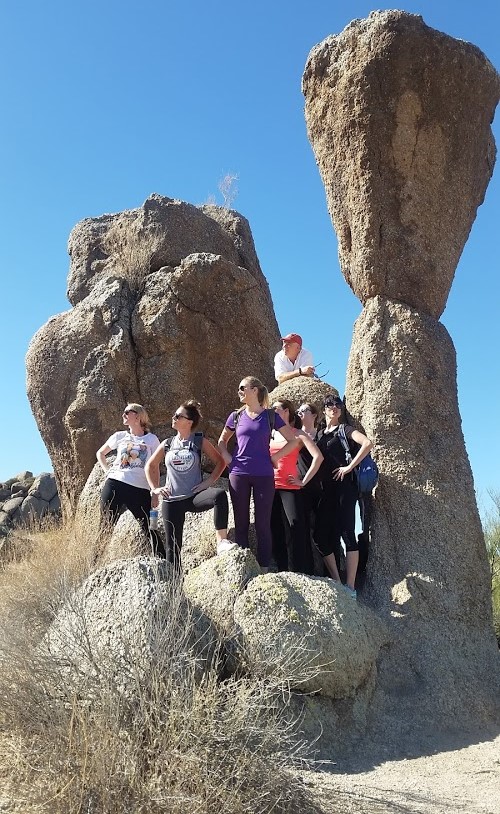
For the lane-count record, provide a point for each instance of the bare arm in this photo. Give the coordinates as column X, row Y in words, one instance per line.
column 101, row 457
column 225, row 435
column 307, row 370
column 292, row 441
column 152, row 469
column 217, row 459
column 317, row 460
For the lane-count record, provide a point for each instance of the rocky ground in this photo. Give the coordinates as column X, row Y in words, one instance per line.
column 459, row 778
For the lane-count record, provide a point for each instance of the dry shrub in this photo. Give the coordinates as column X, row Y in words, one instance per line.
column 178, row 738
column 132, row 246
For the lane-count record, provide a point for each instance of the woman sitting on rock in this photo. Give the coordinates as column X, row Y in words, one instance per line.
column 126, row 486
column 250, row 465
column 335, row 516
column 291, row 540
column 185, row 490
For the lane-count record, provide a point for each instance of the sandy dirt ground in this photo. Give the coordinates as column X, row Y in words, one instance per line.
column 465, row 779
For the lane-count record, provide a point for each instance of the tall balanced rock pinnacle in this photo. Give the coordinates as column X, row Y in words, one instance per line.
column 399, row 116
column 169, row 303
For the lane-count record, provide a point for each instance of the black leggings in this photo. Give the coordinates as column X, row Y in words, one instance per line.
column 117, row 497
column 336, row 517
column 174, row 513
column 291, row 548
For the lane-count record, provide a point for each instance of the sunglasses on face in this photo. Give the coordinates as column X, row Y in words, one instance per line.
column 333, row 405
column 242, row 388
column 126, row 412
column 303, row 410
column 176, row 416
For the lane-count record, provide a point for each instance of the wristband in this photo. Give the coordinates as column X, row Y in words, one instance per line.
column 300, row 371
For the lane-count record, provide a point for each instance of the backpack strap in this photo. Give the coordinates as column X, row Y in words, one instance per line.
column 345, row 443
column 271, row 417
column 198, row 442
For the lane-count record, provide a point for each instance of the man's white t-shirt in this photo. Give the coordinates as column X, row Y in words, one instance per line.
column 132, row 452
column 283, row 365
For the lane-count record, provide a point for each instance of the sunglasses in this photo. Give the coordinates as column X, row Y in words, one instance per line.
column 303, row 410
column 126, row 412
column 242, row 388
column 176, row 416
column 333, row 405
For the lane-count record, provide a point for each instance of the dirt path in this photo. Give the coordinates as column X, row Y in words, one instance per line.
column 459, row 780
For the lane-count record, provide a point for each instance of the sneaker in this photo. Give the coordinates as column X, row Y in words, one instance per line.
column 225, row 545
column 351, row 591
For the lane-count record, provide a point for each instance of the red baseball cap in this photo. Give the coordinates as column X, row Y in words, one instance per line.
column 292, row 338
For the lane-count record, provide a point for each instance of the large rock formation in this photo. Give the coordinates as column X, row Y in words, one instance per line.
column 169, row 303
column 399, row 118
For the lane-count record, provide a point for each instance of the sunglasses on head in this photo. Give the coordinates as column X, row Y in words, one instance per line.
column 176, row 416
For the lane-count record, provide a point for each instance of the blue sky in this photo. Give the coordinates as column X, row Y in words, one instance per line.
column 105, row 102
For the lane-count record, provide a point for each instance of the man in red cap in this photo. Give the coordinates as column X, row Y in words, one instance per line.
column 292, row 360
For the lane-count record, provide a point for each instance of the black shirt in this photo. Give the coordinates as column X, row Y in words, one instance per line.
column 333, row 451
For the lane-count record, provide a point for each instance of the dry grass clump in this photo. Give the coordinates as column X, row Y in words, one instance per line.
column 178, row 739
column 132, row 246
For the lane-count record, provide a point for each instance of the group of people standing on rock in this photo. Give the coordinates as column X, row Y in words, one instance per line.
column 303, row 487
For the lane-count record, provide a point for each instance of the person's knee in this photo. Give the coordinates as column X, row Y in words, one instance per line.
column 221, row 499
column 351, row 544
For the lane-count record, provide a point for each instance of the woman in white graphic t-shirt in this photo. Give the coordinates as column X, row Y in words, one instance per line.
column 126, row 486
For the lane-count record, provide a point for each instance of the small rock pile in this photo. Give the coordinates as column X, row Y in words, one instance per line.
column 25, row 498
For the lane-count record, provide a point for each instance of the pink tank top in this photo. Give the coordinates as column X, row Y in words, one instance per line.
column 286, row 466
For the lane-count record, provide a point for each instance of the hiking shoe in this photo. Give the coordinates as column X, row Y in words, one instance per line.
column 351, row 591
column 225, row 545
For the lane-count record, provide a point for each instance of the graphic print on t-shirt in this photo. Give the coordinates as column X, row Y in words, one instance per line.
column 132, row 454
column 183, row 459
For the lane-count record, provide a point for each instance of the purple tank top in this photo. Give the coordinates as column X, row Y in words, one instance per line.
column 251, row 454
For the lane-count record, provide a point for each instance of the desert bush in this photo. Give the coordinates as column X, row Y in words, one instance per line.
column 182, row 737
column 228, row 188
column 132, row 246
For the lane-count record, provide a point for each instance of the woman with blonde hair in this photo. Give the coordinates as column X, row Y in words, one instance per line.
column 251, row 468
column 126, row 486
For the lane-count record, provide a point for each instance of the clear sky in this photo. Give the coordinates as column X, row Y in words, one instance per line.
column 104, row 102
